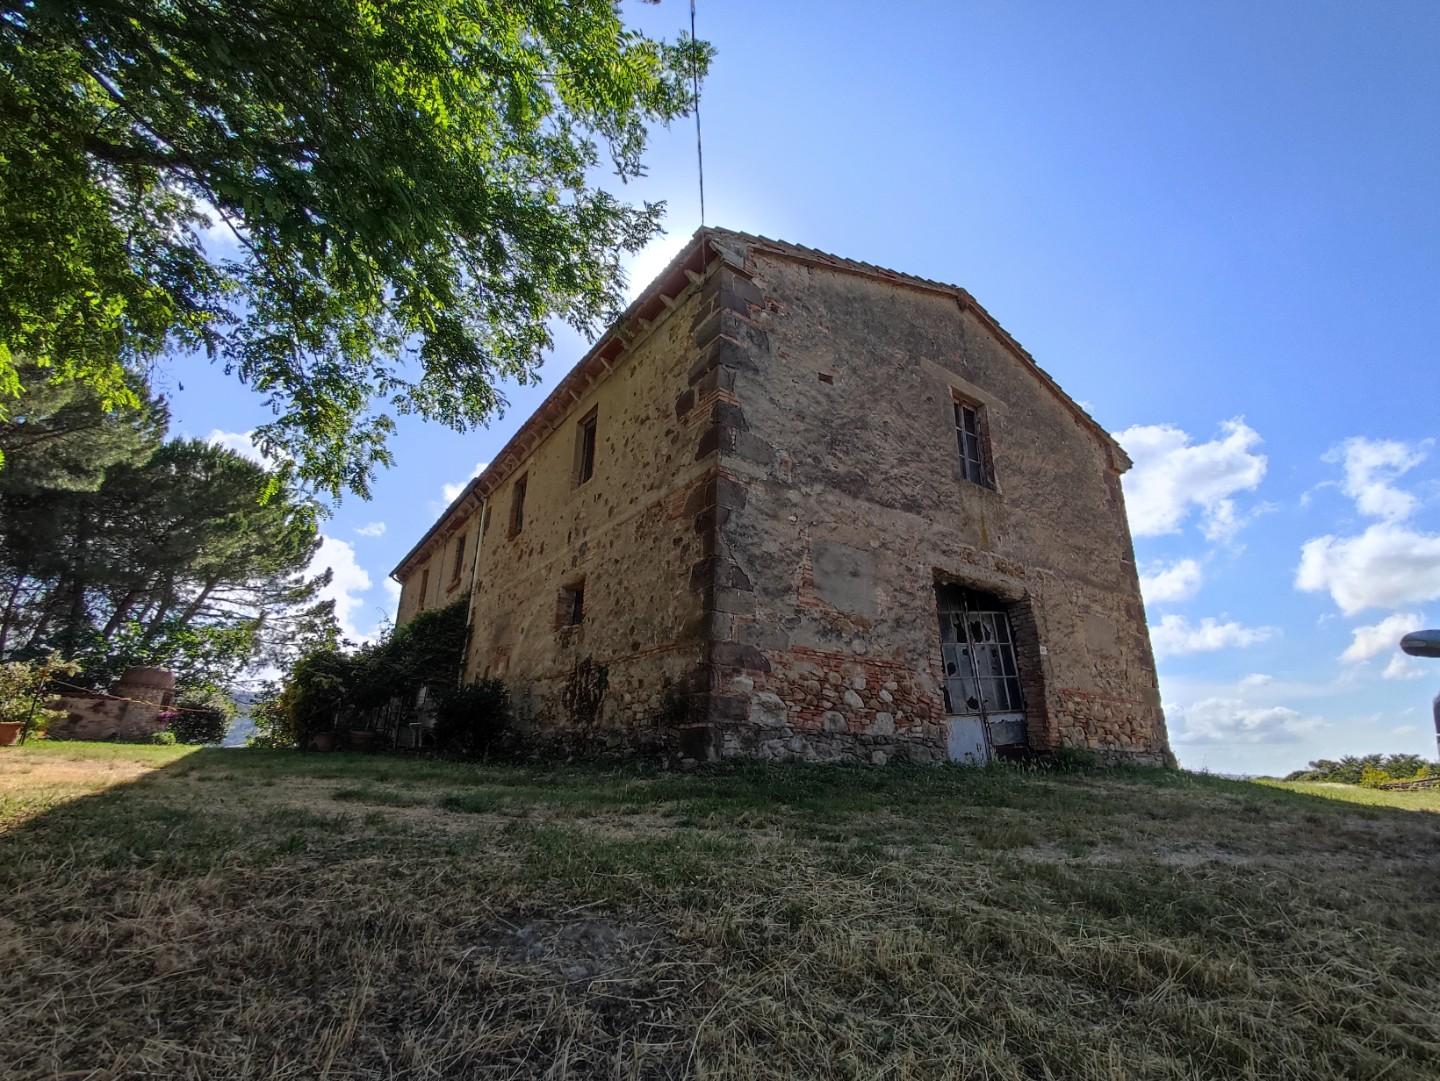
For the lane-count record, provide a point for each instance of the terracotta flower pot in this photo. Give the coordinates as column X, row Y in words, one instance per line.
column 10, row 732
column 362, row 741
column 323, row 741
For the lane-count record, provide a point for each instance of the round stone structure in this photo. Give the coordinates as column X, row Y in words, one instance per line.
column 155, row 685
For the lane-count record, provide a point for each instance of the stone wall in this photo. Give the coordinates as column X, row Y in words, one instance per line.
column 102, row 716
column 433, row 582
column 624, row 677
column 844, row 505
column 776, row 495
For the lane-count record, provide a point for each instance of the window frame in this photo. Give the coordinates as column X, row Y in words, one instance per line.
column 459, row 567
column 424, row 587
column 570, row 607
column 977, row 460
column 519, row 488
column 587, row 446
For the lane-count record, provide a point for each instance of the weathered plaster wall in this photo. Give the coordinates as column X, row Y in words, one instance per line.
column 845, row 505
column 627, row 674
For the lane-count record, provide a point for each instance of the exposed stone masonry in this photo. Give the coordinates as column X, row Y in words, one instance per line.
column 777, row 495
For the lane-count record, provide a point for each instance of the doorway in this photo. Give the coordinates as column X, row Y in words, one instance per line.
column 985, row 712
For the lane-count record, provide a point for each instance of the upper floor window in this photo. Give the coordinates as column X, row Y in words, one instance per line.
column 571, row 611
column 459, row 557
column 424, row 587
column 972, row 435
column 517, row 505
column 585, row 446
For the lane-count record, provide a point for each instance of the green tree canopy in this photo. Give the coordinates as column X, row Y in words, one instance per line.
column 411, row 190
column 61, row 436
column 120, row 550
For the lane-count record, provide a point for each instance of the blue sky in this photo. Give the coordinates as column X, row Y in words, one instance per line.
column 1216, row 225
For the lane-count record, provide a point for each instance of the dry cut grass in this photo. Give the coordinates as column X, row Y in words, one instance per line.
column 246, row 914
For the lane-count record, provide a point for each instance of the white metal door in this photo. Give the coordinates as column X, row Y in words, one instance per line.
column 982, row 682
column 966, row 741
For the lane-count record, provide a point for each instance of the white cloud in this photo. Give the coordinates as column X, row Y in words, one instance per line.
column 1176, row 582
column 1371, row 465
column 1257, row 679
column 348, row 581
column 1175, row 635
column 219, row 238
column 1173, row 477
column 392, row 588
column 452, row 490
column 1390, row 563
column 1403, row 667
column 1384, row 567
column 1404, row 730
column 1229, row 720
column 1382, row 637
column 372, row 529
column 241, row 443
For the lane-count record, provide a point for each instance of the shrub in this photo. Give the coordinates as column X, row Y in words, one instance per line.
column 311, row 698
column 1354, row 769
column 329, row 686
column 473, row 721
column 271, row 720
column 203, row 715
column 1371, row 777
column 164, row 737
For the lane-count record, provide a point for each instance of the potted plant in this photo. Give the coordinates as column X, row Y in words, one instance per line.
column 361, row 739
column 22, row 686
column 323, row 741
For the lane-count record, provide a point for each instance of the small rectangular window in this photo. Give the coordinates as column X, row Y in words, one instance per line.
column 517, row 506
column 424, row 587
column 459, row 557
column 571, row 611
column 972, row 437
column 585, row 446
column 485, row 519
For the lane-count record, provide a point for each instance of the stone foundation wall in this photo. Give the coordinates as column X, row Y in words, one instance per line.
column 822, row 706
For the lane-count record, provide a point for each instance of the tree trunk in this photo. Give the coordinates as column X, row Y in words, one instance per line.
column 194, row 606
column 122, row 611
column 167, row 602
column 47, row 611
column 78, row 618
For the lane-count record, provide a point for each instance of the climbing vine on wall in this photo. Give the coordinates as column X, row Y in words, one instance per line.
column 584, row 692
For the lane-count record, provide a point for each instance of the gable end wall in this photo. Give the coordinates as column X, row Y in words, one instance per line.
column 843, row 505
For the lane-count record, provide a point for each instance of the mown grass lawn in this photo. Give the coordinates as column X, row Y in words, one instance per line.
column 250, row 914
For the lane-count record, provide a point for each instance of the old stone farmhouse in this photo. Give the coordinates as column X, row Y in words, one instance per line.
column 797, row 506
